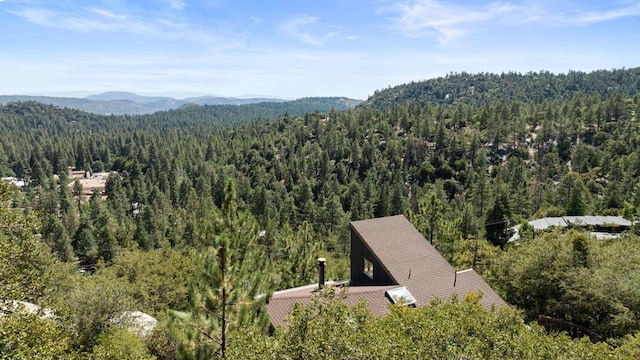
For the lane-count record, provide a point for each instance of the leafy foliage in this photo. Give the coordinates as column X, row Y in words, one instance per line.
column 588, row 283
column 502, row 148
column 28, row 336
column 327, row 328
column 24, row 261
column 156, row 280
column 120, row 344
column 93, row 307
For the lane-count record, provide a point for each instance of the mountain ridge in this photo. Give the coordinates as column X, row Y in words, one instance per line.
column 128, row 103
column 480, row 88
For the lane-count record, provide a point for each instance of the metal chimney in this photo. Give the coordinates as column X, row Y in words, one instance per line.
column 321, row 263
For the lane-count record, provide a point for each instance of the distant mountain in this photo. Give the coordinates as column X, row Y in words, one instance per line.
column 215, row 100
column 235, row 114
column 478, row 89
column 120, row 102
column 123, row 95
column 201, row 100
column 215, row 109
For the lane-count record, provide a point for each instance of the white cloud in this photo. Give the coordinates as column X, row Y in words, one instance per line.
column 255, row 20
column 177, row 4
column 447, row 21
column 90, row 20
column 124, row 21
column 106, row 13
column 590, row 17
column 298, row 28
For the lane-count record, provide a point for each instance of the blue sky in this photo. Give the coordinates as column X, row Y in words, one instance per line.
column 299, row 48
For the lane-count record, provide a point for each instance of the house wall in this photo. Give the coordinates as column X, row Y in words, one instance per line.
column 359, row 251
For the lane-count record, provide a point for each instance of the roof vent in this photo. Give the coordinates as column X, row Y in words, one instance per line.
column 321, row 265
column 401, row 296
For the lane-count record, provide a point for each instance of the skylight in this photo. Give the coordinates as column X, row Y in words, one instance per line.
column 401, row 296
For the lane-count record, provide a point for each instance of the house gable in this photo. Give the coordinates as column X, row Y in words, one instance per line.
column 366, row 268
column 407, row 259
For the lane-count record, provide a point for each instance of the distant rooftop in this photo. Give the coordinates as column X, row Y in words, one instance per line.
column 594, row 221
column 15, row 181
column 590, row 220
column 90, row 183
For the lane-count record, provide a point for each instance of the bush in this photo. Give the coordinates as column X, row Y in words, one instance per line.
column 120, row 344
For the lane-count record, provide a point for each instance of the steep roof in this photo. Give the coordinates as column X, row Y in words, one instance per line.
column 411, row 261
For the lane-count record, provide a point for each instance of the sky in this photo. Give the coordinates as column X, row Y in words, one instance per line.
column 299, row 48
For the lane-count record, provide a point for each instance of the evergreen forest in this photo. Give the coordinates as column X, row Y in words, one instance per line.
column 209, row 209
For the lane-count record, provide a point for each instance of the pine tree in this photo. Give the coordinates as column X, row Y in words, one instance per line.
column 63, row 191
column 85, row 244
column 429, row 215
column 25, row 262
column 77, row 191
column 55, row 235
column 573, row 192
column 497, row 220
column 229, row 289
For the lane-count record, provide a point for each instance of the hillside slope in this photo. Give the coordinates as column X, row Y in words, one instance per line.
column 121, row 103
column 478, row 89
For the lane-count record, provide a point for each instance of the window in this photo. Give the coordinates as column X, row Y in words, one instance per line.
column 368, row 268
column 401, row 296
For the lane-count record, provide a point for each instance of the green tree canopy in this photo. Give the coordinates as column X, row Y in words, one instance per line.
column 229, row 288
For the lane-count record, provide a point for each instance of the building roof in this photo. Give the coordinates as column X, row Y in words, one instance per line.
column 15, row 181
column 579, row 221
column 587, row 220
column 544, row 223
column 417, row 269
column 590, row 220
column 413, row 262
column 281, row 302
column 96, row 182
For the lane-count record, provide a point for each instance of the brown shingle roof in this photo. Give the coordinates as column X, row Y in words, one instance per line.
column 411, row 261
column 470, row 281
column 281, row 302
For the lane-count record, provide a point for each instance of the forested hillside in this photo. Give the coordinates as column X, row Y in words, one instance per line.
column 121, row 103
column 498, row 150
column 481, row 88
